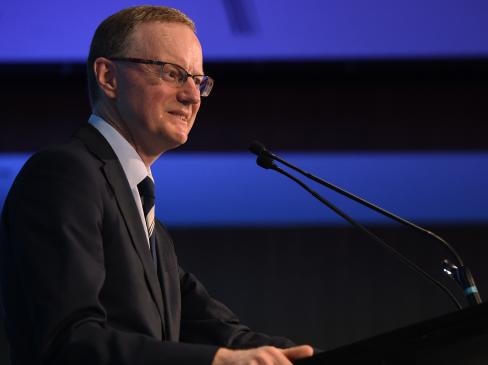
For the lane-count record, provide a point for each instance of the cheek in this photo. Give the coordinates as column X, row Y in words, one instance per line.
column 152, row 108
column 135, row 103
column 159, row 100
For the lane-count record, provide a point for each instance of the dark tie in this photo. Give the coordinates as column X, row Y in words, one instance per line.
column 146, row 191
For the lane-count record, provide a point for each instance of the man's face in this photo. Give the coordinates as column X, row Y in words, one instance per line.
column 158, row 115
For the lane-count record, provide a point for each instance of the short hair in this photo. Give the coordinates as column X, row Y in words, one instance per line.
column 110, row 38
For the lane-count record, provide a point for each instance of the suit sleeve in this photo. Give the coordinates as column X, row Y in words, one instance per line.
column 207, row 321
column 52, row 273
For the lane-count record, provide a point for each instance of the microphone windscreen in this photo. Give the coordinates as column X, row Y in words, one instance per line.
column 265, row 162
column 257, row 148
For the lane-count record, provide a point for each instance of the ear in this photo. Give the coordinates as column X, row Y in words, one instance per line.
column 104, row 70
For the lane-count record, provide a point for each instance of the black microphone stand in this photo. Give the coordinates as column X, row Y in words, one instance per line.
column 460, row 272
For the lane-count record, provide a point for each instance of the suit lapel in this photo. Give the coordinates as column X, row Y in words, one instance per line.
column 116, row 178
column 167, row 268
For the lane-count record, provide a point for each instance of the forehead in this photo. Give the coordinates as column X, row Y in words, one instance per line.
column 170, row 42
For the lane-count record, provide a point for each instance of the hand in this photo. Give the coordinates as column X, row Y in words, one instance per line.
column 266, row 355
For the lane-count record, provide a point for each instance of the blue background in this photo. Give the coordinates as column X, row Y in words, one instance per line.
column 215, row 189
column 60, row 31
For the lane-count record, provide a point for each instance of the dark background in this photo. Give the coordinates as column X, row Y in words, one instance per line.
column 321, row 106
column 327, row 286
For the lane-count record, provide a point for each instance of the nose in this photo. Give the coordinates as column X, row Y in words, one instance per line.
column 189, row 92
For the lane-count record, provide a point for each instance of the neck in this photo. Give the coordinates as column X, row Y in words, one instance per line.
column 113, row 118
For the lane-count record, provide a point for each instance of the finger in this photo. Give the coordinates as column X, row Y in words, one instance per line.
column 298, row 352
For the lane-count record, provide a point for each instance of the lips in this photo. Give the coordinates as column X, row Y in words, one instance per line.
column 180, row 114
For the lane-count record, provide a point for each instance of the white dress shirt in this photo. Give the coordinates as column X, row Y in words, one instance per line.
column 132, row 164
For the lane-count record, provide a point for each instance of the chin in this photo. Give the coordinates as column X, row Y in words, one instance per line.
column 181, row 139
column 175, row 142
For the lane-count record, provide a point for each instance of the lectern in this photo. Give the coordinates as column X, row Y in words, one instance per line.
column 459, row 338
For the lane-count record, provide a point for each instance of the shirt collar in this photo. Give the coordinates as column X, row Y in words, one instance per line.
column 132, row 164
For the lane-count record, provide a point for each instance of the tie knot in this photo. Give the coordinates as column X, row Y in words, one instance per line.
column 146, row 188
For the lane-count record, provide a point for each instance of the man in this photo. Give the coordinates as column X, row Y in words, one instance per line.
column 88, row 275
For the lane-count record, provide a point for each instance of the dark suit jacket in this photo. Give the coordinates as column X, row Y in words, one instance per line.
column 78, row 282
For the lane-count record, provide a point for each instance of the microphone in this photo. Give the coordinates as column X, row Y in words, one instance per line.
column 460, row 273
column 258, row 148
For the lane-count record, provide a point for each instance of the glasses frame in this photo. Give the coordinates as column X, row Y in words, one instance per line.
column 205, row 85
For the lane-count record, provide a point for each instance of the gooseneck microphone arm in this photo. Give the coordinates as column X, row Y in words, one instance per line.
column 256, row 146
column 460, row 273
column 267, row 163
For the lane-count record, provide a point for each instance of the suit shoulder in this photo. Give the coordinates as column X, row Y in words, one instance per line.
column 71, row 155
column 68, row 164
column 71, row 152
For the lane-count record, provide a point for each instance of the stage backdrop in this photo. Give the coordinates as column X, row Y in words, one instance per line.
column 60, row 31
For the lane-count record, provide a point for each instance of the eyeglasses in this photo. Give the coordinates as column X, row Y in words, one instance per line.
column 174, row 74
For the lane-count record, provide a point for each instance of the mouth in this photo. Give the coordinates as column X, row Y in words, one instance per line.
column 184, row 117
